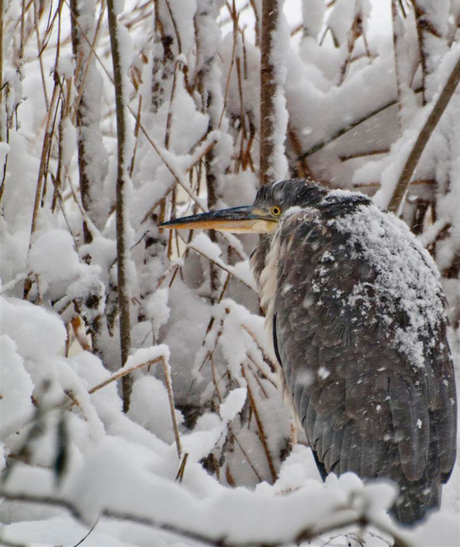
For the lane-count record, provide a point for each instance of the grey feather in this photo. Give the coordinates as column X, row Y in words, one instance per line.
column 361, row 335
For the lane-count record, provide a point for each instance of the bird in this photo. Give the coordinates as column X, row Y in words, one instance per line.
column 358, row 320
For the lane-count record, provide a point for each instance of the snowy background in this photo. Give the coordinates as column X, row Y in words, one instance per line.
column 206, row 453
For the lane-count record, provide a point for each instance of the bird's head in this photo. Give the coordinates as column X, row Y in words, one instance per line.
column 263, row 216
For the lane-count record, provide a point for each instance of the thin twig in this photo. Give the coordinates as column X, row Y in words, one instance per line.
column 270, row 362
column 320, row 145
column 171, row 406
column 260, row 427
column 229, row 269
column 123, row 372
column 349, row 518
column 268, row 90
column 423, row 138
column 122, row 221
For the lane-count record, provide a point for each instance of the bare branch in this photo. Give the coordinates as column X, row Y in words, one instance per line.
column 171, row 406
column 260, row 427
column 340, row 521
column 268, row 89
column 121, row 212
column 320, row 145
column 423, row 138
column 123, row 372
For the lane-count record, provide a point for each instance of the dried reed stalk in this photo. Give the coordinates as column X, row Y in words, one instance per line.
column 121, row 212
column 172, row 407
column 122, row 373
column 260, row 426
column 268, row 89
column 423, row 138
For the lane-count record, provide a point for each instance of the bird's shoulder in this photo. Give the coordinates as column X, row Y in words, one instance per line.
column 361, row 267
column 361, row 332
column 360, row 316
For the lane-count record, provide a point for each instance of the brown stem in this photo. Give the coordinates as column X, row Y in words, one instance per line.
column 172, row 407
column 320, row 145
column 396, row 40
column 122, row 373
column 121, row 212
column 41, row 173
column 423, row 138
column 40, row 51
column 81, row 108
column 260, row 427
column 268, row 88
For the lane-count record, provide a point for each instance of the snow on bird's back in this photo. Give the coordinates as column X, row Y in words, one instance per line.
column 407, row 277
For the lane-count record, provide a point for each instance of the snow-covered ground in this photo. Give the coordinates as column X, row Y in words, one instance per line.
column 206, row 454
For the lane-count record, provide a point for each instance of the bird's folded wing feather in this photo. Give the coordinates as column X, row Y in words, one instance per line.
column 360, row 331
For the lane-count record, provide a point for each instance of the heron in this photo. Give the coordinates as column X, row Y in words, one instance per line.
column 358, row 320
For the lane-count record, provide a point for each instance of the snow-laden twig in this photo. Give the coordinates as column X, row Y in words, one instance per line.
column 123, row 372
column 273, row 114
column 123, row 163
column 260, row 426
column 218, row 262
column 423, row 138
column 172, row 408
column 349, row 126
column 343, row 518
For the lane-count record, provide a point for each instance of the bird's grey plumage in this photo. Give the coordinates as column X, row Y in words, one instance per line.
column 359, row 327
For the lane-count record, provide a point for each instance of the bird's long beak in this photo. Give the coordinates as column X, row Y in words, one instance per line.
column 238, row 220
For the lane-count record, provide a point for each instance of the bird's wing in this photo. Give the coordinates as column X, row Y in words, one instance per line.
column 360, row 331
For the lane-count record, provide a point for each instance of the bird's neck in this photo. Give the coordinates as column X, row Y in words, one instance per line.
column 264, row 265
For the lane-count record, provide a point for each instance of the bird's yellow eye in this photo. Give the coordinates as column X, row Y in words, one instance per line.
column 275, row 211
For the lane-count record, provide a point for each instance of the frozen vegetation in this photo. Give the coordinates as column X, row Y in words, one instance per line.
column 139, row 402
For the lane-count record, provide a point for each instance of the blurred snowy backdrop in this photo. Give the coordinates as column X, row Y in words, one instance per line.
column 117, row 116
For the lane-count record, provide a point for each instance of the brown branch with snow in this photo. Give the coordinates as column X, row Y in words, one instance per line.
column 343, row 517
column 423, row 138
column 268, row 89
column 121, row 211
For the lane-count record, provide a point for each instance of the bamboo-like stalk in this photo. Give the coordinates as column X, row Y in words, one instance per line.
column 396, row 46
column 121, row 209
column 3, row 120
column 260, row 427
column 268, row 89
column 122, row 373
column 162, row 68
column 423, row 138
column 42, row 171
column 211, row 95
column 322, row 144
column 172, row 407
column 78, row 52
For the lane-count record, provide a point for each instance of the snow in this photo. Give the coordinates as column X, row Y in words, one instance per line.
column 35, row 331
column 53, row 257
column 278, row 57
column 404, row 268
column 203, row 245
column 65, row 66
column 313, row 14
column 150, row 408
column 16, row 388
column 158, row 310
column 217, row 353
column 233, row 404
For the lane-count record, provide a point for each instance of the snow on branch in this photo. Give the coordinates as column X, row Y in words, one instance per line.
column 346, row 505
column 273, row 114
column 423, row 137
